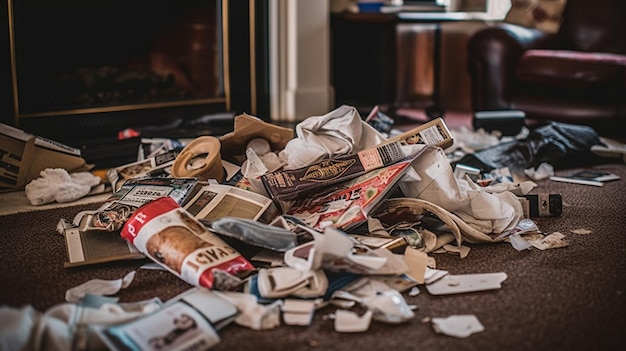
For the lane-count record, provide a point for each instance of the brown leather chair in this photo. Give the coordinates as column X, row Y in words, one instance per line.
column 577, row 75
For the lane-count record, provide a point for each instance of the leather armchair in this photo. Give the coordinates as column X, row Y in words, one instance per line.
column 577, row 75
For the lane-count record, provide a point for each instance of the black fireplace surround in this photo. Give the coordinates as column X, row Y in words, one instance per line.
column 84, row 70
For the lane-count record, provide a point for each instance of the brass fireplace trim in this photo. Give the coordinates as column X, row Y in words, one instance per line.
column 252, row 26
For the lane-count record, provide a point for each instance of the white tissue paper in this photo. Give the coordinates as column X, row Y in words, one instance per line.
column 56, row 184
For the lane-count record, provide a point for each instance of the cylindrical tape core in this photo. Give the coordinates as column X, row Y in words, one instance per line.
column 200, row 159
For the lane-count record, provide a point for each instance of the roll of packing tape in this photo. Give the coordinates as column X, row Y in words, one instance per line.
column 200, row 159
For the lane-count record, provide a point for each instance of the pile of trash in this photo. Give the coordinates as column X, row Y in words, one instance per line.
column 269, row 226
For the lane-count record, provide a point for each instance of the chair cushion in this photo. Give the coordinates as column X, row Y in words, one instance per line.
column 572, row 69
column 545, row 15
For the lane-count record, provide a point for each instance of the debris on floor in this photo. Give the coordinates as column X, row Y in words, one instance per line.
column 269, row 227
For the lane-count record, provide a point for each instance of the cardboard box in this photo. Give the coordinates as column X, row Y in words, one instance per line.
column 23, row 156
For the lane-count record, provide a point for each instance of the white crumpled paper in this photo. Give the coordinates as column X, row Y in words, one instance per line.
column 339, row 132
column 432, row 179
column 56, row 184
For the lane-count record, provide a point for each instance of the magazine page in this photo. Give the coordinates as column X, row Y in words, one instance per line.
column 347, row 204
column 89, row 248
column 156, row 166
column 189, row 321
column 214, row 201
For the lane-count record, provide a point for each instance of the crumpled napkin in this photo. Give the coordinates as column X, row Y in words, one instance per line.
column 339, row 132
column 56, row 184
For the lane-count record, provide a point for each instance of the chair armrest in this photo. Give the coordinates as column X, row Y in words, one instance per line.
column 493, row 53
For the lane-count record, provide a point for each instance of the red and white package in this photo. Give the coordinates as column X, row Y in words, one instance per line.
column 169, row 235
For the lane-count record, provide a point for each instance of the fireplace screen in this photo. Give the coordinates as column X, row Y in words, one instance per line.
column 113, row 54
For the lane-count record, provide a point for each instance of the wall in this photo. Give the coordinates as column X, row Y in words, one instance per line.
column 299, row 63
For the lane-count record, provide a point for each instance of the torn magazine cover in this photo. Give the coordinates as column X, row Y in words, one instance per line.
column 285, row 186
column 347, row 204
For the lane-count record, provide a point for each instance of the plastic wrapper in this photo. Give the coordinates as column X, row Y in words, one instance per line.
column 559, row 144
column 255, row 233
column 170, row 236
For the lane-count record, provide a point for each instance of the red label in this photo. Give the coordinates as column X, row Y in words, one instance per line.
column 144, row 214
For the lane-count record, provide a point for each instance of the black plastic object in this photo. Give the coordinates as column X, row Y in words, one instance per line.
column 508, row 122
column 560, row 144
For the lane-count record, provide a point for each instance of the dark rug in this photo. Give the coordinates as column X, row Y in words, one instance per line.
column 569, row 298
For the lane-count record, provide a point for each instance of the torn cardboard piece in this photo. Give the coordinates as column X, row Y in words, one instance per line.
column 417, row 262
column 23, row 156
column 245, row 129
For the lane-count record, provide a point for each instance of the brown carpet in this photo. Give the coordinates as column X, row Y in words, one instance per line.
column 562, row 299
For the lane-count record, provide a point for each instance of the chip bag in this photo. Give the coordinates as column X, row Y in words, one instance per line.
column 169, row 235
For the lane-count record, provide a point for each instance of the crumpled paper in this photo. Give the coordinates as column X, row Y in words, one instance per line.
column 432, row 179
column 56, row 184
column 339, row 132
column 342, row 131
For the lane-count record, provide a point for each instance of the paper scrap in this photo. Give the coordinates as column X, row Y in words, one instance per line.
column 417, row 262
column 253, row 315
column 98, row 287
column 432, row 275
column 551, row 241
column 544, row 170
column 518, row 242
column 462, row 283
column 460, row 326
column 298, row 312
column 350, row 322
column 463, row 251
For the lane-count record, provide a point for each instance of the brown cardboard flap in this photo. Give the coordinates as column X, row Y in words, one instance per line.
column 23, row 162
column 248, row 127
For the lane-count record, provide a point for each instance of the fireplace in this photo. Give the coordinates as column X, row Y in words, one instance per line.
column 87, row 69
